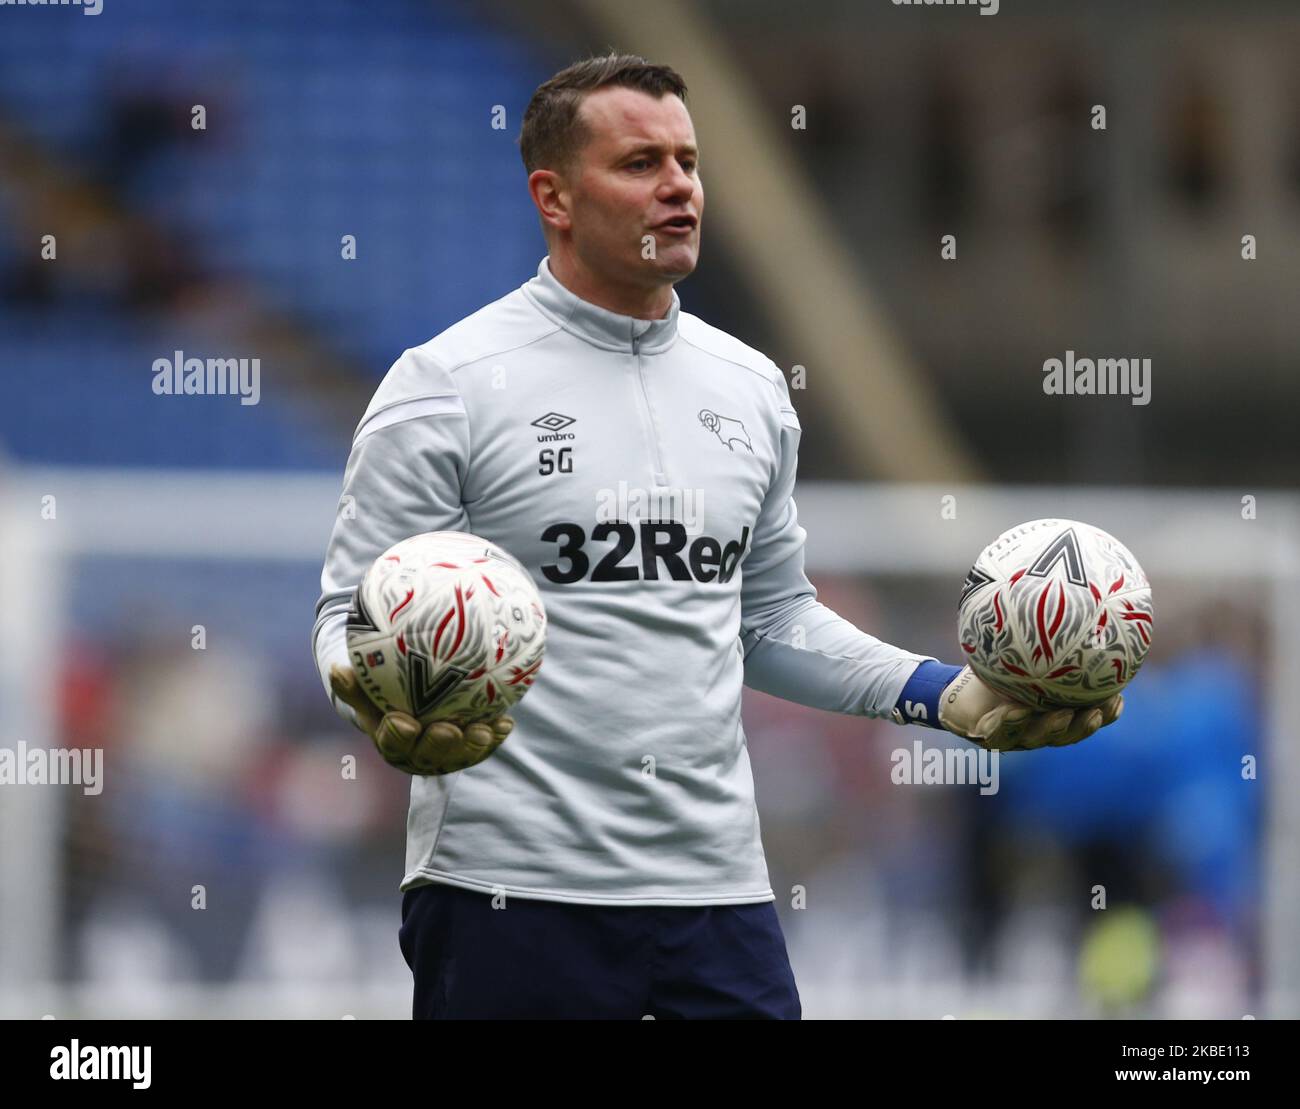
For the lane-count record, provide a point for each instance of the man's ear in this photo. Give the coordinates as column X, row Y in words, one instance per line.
column 551, row 194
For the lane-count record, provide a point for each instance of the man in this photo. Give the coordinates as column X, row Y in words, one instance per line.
column 606, row 862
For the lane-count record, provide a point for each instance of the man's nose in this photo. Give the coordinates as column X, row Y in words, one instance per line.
column 678, row 181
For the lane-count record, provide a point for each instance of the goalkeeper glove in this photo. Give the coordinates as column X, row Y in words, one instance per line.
column 969, row 708
column 441, row 748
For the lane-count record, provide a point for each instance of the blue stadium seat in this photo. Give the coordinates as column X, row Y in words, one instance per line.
column 317, row 127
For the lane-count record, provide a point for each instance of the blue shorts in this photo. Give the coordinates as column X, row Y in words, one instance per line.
column 554, row 960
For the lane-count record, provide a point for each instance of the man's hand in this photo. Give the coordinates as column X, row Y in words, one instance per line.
column 441, row 748
column 971, row 709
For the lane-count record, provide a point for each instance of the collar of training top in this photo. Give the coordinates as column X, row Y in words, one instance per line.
column 598, row 325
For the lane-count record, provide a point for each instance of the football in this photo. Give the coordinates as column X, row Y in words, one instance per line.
column 1055, row 613
column 446, row 626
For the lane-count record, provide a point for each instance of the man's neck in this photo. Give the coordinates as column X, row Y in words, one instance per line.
column 631, row 300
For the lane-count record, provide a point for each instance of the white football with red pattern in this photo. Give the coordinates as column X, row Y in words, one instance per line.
column 446, row 626
column 1055, row 613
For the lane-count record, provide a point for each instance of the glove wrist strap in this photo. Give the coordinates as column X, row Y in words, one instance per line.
column 919, row 701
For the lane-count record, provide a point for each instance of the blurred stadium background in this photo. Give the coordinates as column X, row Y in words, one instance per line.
column 821, row 248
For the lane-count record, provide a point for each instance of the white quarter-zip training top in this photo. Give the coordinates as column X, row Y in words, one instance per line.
column 642, row 471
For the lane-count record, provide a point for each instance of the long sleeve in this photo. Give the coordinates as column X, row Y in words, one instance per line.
column 403, row 476
column 795, row 647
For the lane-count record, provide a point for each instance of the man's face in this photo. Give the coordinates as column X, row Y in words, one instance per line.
column 637, row 172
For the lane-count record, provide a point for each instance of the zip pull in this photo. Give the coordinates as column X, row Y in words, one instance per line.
column 636, row 344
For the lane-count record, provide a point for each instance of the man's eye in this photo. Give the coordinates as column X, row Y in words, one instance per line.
column 688, row 165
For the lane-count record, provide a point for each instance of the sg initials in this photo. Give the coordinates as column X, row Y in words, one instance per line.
column 551, row 460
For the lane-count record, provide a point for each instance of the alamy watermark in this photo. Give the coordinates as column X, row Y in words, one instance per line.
column 53, row 766
column 1088, row 377
column 986, row 7
column 88, row 7
column 180, row 376
column 632, row 503
column 945, row 766
column 88, row 1062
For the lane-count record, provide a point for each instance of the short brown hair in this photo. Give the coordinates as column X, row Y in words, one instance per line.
column 553, row 135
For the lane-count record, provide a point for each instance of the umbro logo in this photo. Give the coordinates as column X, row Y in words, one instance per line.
column 554, row 423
